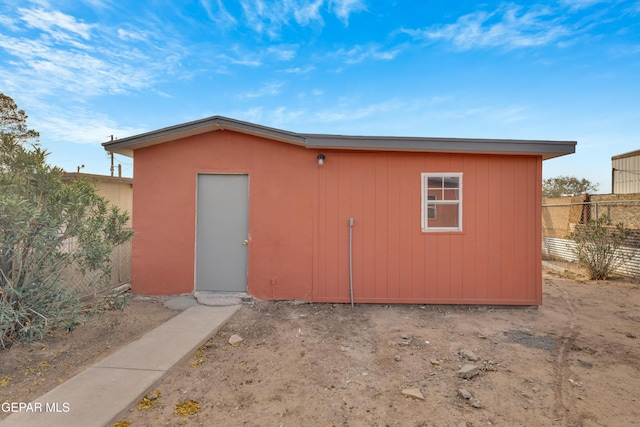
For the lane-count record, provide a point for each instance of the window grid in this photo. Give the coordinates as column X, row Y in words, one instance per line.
column 441, row 202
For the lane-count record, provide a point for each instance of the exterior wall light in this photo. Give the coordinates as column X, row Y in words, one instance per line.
column 320, row 159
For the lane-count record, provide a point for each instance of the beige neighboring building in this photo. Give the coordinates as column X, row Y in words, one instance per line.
column 625, row 173
column 117, row 190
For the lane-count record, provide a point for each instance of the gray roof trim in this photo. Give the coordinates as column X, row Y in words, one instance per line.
column 547, row 149
column 126, row 145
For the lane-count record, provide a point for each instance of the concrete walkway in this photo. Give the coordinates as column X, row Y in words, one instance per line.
column 97, row 395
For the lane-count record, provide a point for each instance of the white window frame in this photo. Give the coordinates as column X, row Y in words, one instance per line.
column 426, row 201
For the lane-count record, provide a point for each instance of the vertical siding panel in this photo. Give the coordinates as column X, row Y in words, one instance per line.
column 456, row 259
column 508, row 231
column 529, row 222
column 430, row 266
column 537, row 234
column 456, row 265
column 494, row 264
column 469, row 203
column 330, row 229
column 318, row 251
column 443, row 275
column 393, row 224
column 520, row 220
column 319, row 288
column 409, row 213
column 480, row 230
column 357, row 189
column 368, row 228
column 381, row 218
column 342, row 226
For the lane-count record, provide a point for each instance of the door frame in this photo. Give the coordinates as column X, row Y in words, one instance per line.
column 195, row 240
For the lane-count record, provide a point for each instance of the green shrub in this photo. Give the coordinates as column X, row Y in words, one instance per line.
column 48, row 227
column 599, row 247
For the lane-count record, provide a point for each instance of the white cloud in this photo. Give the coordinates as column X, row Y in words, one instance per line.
column 509, row 27
column 41, row 3
column 284, row 53
column 53, row 53
column 57, row 24
column 8, row 22
column 270, row 89
column 46, row 68
column 79, row 125
column 282, row 117
column 253, row 115
column 262, row 18
column 218, row 13
column 126, row 35
column 269, row 16
column 99, row 4
column 344, row 8
column 238, row 55
column 359, row 53
column 306, row 13
column 345, row 111
column 300, row 70
column 247, row 62
column 582, row 4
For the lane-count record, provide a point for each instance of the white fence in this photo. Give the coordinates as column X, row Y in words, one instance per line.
column 553, row 247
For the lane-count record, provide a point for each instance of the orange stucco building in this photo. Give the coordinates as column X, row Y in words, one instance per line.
column 225, row 205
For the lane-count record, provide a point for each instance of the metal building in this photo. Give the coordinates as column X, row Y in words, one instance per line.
column 625, row 173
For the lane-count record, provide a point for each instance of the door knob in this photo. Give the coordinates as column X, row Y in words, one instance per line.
column 246, row 242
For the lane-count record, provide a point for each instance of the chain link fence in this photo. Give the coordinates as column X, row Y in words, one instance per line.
column 561, row 217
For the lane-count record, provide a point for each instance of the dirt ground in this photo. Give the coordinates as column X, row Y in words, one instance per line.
column 575, row 361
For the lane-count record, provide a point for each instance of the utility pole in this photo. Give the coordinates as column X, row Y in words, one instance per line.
column 111, row 158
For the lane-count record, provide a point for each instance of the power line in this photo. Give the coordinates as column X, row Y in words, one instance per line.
column 631, row 171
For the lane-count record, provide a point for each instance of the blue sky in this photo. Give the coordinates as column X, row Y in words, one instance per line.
column 567, row 70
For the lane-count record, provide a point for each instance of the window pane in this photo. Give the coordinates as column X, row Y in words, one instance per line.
column 451, row 194
column 445, row 216
column 434, row 182
column 434, row 194
column 451, row 182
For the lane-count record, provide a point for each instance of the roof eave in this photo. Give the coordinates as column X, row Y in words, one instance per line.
column 626, row 155
column 126, row 146
column 546, row 149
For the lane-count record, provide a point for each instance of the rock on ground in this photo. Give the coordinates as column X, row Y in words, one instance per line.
column 235, row 339
column 413, row 392
column 468, row 371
